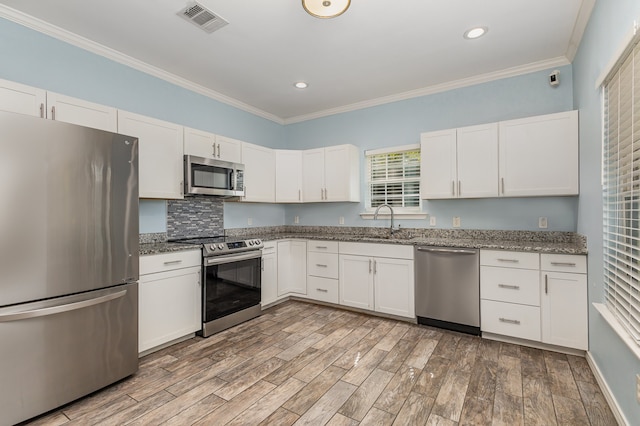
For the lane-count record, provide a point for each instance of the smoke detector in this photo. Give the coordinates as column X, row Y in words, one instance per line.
column 202, row 17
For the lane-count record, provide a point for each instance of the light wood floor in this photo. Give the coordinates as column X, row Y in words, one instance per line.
column 305, row 364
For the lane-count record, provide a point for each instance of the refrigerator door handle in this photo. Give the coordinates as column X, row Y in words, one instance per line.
column 33, row 313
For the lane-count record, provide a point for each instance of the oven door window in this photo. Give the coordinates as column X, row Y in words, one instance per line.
column 203, row 176
column 231, row 287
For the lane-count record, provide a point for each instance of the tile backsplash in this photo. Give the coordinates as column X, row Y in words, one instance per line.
column 195, row 217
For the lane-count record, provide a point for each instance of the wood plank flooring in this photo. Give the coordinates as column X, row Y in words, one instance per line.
column 305, row 364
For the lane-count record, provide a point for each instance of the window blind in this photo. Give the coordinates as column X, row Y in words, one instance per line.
column 621, row 192
column 394, row 178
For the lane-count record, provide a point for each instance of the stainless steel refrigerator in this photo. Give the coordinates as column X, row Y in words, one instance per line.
column 68, row 263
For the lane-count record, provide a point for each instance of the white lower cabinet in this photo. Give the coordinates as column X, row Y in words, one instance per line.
column 292, row 267
column 269, row 284
column 377, row 277
column 322, row 271
column 169, row 300
column 537, row 297
column 564, row 303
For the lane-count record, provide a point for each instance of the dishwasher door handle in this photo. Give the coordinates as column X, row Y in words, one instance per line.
column 447, row 251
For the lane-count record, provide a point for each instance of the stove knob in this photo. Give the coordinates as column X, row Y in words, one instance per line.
column 250, row 242
column 220, row 246
column 212, row 247
column 257, row 242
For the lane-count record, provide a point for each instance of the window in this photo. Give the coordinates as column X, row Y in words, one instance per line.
column 393, row 177
column 621, row 196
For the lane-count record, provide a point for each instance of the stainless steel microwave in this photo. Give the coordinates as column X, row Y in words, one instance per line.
column 206, row 176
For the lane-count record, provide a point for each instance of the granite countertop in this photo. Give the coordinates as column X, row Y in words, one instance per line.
column 527, row 241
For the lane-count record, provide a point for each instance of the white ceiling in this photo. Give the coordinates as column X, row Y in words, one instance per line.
column 376, row 52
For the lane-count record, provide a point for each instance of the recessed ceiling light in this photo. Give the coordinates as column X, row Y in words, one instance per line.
column 301, row 85
column 475, row 32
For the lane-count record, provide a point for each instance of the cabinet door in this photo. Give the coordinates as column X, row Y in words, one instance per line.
column 438, row 165
column 160, row 153
column 477, row 154
column 22, row 99
column 394, row 288
column 313, row 176
column 564, row 309
column 292, row 267
column 259, row 173
column 169, row 306
column 341, row 173
column 288, row 176
column 539, row 155
column 356, row 281
column 269, row 284
column 83, row 113
column 228, row 149
column 199, row 143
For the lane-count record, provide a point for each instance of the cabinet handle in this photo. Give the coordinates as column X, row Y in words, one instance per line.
column 459, row 188
column 502, row 185
column 172, row 262
column 510, row 321
column 546, row 284
column 508, row 260
column 299, row 195
column 324, row 290
column 375, row 267
column 511, row 287
column 453, row 188
column 322, row 247
column 218, row 150
column 53, row 112
column 571, row 264
column 321, row 265
column 369, row 265
column 41, row 110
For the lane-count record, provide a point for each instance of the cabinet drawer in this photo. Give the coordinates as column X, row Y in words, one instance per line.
column 153, row 263
column 323, row 289
column 394, row 251
column 510, row 259
column 510, row 319
column 564, row 263
column 510, row 285
column 323, row 246
column 269, row 247
column 322, row 265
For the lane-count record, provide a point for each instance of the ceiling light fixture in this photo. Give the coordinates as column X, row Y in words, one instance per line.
column 301, row 85
column 326, row 8
column 475, row 33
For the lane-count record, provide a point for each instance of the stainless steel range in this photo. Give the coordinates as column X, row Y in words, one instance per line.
column 231, row 271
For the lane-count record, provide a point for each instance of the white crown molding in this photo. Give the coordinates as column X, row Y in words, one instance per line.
column 578, row 30
column 97, row 48
column 438, row 88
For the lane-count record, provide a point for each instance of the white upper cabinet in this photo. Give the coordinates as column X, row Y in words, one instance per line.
column 259, row 173
column 288, row 176
column 22, row 99
column 460, row 163
column 83, row 113
column 208, row 145
column 539, row 155
column 160, row 152
column 331, row 174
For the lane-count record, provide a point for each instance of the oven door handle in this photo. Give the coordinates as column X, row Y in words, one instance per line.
column 218, row 260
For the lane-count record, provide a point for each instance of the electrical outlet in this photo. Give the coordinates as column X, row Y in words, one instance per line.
column 542, row 222
column 249, row 221
column 341, row 220
column 296, row 219
column 638, row 388
column 432, row 221
column 456, row 221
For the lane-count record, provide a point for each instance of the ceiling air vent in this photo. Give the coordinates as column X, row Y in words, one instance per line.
column 201, row 17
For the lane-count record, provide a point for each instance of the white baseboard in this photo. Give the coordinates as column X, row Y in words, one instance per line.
column 606, row 391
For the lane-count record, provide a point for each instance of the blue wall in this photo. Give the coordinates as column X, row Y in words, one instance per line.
column 609, row 23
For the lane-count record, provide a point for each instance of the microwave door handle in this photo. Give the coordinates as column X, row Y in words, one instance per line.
column 232, row 177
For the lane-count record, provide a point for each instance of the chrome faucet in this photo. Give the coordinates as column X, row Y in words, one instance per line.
column 375, row 216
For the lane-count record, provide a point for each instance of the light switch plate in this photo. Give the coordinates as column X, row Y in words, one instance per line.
column 341, row 220
column 456, row 221
column 432, row 221
column 542, row 222
column 296, row 219
column 638, row 388
column 249, row 221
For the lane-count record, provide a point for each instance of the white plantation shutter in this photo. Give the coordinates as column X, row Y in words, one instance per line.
column 393, row 178
column 621, row 185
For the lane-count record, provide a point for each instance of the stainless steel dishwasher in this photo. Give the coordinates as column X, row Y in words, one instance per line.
column 448, row 288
